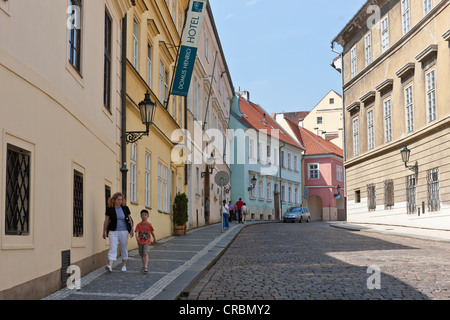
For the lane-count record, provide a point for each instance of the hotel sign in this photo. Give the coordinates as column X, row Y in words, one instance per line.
column 188, row 50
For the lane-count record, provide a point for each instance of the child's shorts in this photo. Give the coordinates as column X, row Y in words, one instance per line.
column 143, row 249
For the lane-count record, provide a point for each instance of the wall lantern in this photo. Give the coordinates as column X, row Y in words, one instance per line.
column 405, row 157
column 147, row 109
column 252, row 184
column 211, row 165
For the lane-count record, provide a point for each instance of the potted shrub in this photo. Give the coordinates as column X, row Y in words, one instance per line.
column 180, row 213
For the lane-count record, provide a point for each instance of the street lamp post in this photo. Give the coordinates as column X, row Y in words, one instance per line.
column 147, row 109
column 405, row 152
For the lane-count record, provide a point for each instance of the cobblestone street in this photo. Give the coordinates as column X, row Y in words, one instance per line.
column 280, row 261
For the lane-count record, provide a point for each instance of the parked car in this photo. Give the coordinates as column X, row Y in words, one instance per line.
column 294, row 214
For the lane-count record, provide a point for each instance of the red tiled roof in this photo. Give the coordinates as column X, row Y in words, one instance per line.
column 313, row 143
column 256, row 117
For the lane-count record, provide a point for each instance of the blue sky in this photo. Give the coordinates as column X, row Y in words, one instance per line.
column 280, row 51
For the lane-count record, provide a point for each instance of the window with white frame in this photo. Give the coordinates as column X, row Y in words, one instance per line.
column 406, row 16
column 353, row 62
column 385, row 34
column 275, row 156
column 370, row 130
column 289, row 161
column 133, row 171
column 295, row 163
column 149, row 65
column 261, row 189
column 251, row 148
column 313, row 171
column 283, row 193
column 368, row 48
column 356, row 136
column 135, row 44
column 282, row 159
column 296, row 196
column 147, row 179
column 409, row 109
column 289, row 194
column 387, row 121
column 165, row 190
column 269, row 191
column 427, row 6
column 431, row 95
column 161, row 82
column 339, row 173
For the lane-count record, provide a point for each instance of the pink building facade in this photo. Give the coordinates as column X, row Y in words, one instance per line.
column 323, row 173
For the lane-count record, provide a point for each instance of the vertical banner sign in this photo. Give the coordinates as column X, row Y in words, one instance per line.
column 188, row 50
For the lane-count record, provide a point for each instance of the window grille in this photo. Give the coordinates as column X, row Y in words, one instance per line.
column 17, row 191
column 388, row 194
column 77, row 204
column 371, row 198
column 434, row 203
column 411, row 194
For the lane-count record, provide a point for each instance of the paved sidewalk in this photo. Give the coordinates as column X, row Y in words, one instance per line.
column 174, row 263
column 420, row 233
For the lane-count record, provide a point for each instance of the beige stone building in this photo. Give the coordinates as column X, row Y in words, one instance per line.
column 396, row 68
column 325, row 119
column 208, row 101
column 59, row 138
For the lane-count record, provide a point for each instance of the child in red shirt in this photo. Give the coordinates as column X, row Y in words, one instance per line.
column 143, row 231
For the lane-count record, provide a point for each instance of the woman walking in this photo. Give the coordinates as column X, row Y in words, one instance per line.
column 117, row 226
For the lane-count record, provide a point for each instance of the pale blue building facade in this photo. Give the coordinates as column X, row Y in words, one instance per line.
column 263, row 150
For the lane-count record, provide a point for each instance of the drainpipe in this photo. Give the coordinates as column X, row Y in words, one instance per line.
column 279, row 159
column 124, row 168
column 341, row 54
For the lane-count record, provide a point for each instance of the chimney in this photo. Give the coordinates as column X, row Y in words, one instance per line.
column 279, row 117
column 244, row 94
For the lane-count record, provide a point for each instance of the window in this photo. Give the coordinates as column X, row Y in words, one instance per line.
column 356, row 137
column 282, row 159
column 368, row 48
column 431, row 95
column 147, row 179
column 384, row 34
column 319, row 120
column 149, row 65
column 133, row 172
column 296, row 198
column 388, row 194
column 405, row 16
column 261, row 189
column 331, row 100
column 434, row 203
column 313, row 171
column 135, row 44
column 296, row 163
column 411, row 193
column 107, row 62
column 371, row 198
column 289, row 161
column 283, row 193
column 17, row 191
column 409, row 109
column 427, row 6
column 339, row 173
column 251, row 148
column 78, row 204
column 160, row 188
column 75, row 35
column 166, row 85
column 107, row 195
column 289, row 194
column 269, row 191
column 387, row 121
column 370, row 130
column 161, row 84
column 353, row 62
column 357, row 196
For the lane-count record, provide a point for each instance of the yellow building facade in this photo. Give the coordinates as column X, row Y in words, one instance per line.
column 396, row 67
column 153, row 179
